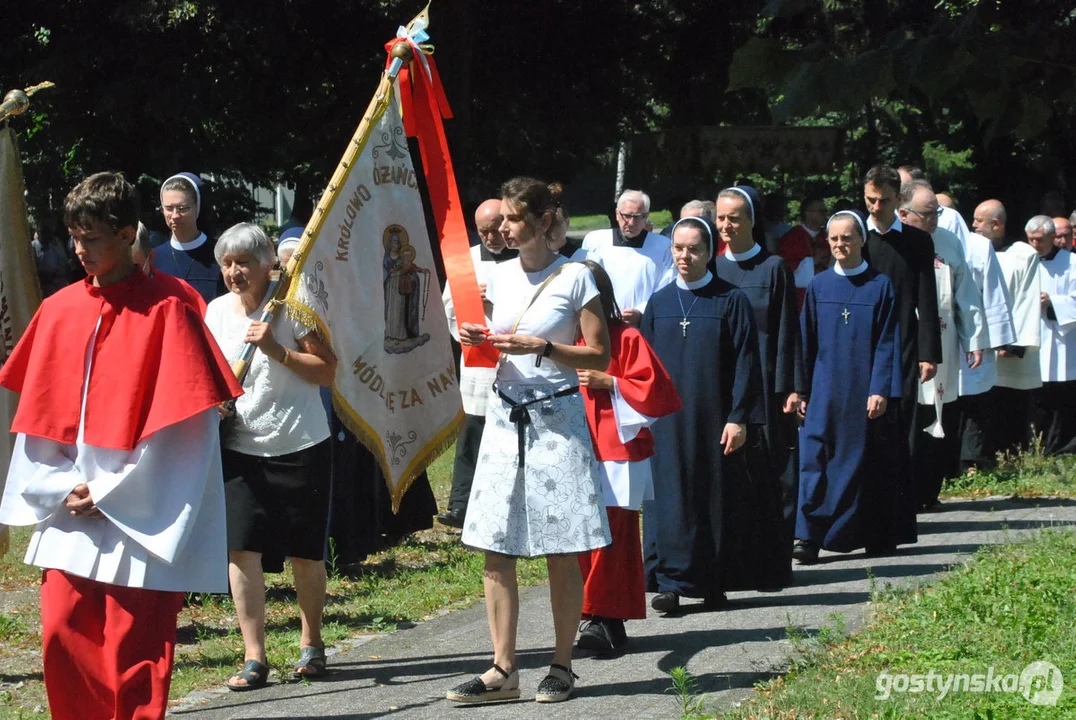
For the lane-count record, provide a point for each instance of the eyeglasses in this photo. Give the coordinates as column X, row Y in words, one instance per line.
column 632, row 216
column 176, row 209
column 932, row 213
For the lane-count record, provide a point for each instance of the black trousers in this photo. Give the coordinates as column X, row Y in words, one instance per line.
column 978, row 431
column 1055, row 417
column 467, row 446
column 936, row 459
column 1014, row 416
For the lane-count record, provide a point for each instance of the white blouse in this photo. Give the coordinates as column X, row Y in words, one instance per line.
column 279, row 412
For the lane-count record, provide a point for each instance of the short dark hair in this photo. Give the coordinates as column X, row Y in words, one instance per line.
column 883, row 175
column 811, row 199
column 102, row 197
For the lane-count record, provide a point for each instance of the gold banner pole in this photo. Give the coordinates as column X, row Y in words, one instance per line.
column 17, row 102
column 401, row 54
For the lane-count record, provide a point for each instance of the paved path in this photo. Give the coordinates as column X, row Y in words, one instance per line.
column 405, row 674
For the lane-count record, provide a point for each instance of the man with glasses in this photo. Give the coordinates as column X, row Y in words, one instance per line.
column 1055, row 400
column 638, row 262
column 937, row 455
column 948, row 217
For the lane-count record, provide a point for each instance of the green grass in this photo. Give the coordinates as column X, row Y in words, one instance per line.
column 1029, row 474
column 586, row 223
column 405, row 584
column 1011, row 606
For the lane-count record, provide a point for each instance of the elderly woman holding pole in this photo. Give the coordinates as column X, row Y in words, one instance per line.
column 276, row 453
column 537, row 489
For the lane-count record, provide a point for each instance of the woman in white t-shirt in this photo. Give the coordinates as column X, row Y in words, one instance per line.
column 537, row 489
column 276, row 453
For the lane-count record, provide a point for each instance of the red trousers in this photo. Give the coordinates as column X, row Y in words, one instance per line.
column 108, row 649
column 613, row 585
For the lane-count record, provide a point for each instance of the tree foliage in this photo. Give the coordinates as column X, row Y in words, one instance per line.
column 271, row 92
column 924, row 78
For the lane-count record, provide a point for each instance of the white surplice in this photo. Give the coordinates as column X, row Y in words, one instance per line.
column 627, row 484
column 1057, row 354
column 960, row 317
column 636, row 273
column 163, row 505
column 474, row 382
column 997, row 312
column 1020, row 265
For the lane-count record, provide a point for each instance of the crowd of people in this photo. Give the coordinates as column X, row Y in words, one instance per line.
column 750, row 394
column 768, row 393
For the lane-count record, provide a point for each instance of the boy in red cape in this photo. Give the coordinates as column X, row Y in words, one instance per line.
column 620, row 403
column 117, row 463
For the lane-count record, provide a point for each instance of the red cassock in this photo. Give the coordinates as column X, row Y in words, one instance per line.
column 794, row 247
column 613, row 580
column 108, row 649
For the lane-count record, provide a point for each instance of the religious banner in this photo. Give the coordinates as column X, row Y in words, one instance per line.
column 364, row 277
column 20, row 293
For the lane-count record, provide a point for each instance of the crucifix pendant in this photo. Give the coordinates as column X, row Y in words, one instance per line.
column 683, row 326
column 845, row 315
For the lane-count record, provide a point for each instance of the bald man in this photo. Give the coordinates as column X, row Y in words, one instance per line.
column 474, row 382
column 1063, row 233
column 946, row 201
column 1018, row 362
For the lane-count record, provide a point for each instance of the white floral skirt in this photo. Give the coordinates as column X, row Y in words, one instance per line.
column 554, row 504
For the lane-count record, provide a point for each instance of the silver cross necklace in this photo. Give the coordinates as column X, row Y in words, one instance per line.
column 685, row 322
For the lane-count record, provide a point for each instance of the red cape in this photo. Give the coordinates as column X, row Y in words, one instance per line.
column 154, row 364
column 644, row 384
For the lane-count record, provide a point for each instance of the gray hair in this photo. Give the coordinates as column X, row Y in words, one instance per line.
column 634, row 196
column 909, row 189
column 1072, row 218
column 706, row 207
column 1041, row 222
column 246, row 238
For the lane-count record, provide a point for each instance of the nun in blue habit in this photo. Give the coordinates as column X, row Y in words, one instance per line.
column 852, row 494
column 188, row 254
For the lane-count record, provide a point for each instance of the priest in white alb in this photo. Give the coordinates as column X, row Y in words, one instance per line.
column 978, row 414
column 1055, row 401
column 963, row 332
column 639, row 262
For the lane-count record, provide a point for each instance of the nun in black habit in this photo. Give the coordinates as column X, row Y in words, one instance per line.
column 716, row 506
column 771, row 290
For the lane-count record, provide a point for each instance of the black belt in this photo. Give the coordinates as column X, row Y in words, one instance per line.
column 521, row 418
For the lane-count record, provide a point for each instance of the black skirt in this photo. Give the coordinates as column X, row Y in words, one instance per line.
column 279, row 506
column 362, row 519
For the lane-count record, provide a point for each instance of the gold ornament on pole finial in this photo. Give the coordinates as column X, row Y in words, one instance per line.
column 403, row 52
column 17, row 102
